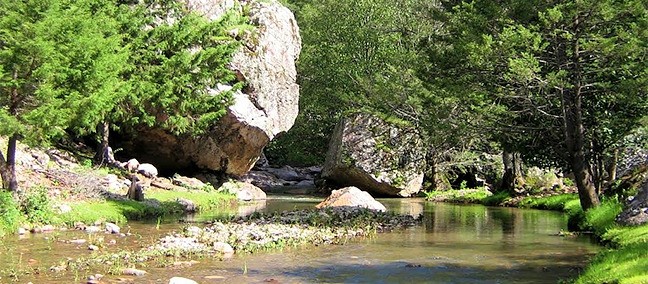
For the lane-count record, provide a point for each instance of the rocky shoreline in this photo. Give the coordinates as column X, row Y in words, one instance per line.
column 254, row 233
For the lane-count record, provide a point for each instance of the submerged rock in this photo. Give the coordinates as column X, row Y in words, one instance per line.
column 351, row 197
column 376, row 156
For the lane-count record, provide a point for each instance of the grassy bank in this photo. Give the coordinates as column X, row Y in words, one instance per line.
column 625, row 259
column 37, row 209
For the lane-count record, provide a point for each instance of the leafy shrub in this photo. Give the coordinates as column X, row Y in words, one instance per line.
column 9, row 214
column 37, row 207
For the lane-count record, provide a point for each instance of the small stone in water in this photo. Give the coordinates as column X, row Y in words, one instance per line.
column 223, row 247
column 92, row 229
column 133, row 271
column 112, row 228
column 181, row 280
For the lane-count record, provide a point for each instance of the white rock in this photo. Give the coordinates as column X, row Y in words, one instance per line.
column 147, row 170
column 223, row 247
column 181, row 280
column 112, row 228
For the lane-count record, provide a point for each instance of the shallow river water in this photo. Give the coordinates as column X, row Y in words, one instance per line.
column 455, row 244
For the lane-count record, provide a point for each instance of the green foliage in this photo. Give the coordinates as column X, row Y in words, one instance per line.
column 602, row 218
column 37, row 208
column 554, row 202
column 474, row 195
column 59, row 66
column 10, row 216
column 178, row 57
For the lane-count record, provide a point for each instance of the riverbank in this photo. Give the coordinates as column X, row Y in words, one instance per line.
column 624, row 261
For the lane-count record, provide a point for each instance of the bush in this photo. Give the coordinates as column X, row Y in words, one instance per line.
column 10, row 216
column 37, row 207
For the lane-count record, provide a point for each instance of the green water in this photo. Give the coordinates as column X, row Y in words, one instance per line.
column 455, row 244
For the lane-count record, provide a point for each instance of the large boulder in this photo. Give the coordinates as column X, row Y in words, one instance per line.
column 243, row 191
column 351, row 197
column 636, row 211
column 267, row 106
column 376, row 156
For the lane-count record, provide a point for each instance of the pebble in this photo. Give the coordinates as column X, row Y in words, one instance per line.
column 78, row 241
column 93, row 247
column 181, row 280
column 223, row 247
column 22, row 231
column 92, row 229
column 133, row 272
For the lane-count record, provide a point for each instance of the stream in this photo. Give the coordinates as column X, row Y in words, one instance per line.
column 455, row 244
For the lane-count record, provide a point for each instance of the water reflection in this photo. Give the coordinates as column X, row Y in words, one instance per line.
column 455, row 244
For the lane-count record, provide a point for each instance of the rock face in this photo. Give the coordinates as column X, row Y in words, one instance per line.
column 266, row 107
column 351, row 197
column 376, row 156
column 636, row 211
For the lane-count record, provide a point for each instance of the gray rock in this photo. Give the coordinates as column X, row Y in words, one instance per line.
column 92, row 229
column 187, row 205
column 351, row 197
column 93, row 247
column 131, row 165
column 148, row 170
column 181, row 280
column 367, row 152
column 193, row 231
column 62, row 208
column 133, row 272
column 48, row 228
column 187, row 182
column 112, row 228
column 636, row 211
column 286, row 173
column 243, row 191
column 22, row 231
column 78, row 241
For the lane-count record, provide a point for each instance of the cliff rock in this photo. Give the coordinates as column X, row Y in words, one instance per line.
column 379, row 157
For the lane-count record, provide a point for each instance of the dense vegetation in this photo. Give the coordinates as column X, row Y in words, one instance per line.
column 80, row 67
column 555, row 83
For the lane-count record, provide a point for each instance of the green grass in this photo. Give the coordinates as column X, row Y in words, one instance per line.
column 204, row 200
column 554, row 202
column 627, row 264
column 119, row 211
column 475, row 195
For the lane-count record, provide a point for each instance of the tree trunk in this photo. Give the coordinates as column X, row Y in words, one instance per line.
column 512, row 179
column 8, row 169
column 574, row 138
column 574, row 130
column 612, row 166
column 103, row 129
